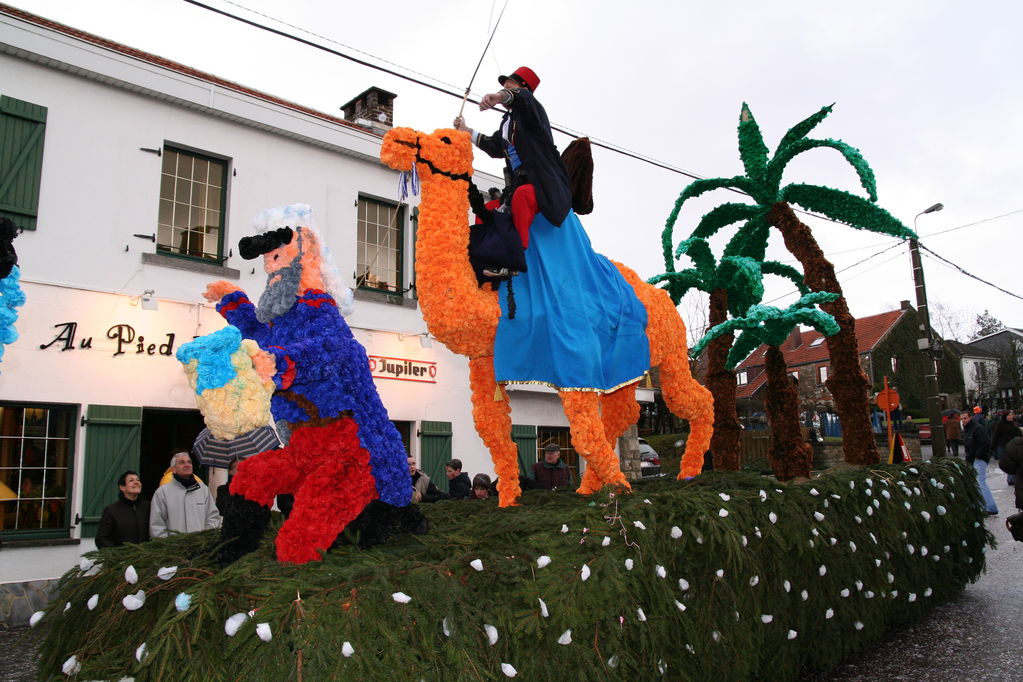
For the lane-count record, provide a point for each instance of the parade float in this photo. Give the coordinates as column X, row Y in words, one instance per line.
column 721, row 575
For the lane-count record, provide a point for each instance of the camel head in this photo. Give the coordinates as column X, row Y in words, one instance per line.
column 446, row 152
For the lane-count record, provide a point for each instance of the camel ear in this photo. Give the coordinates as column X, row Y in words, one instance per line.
column 578, row 158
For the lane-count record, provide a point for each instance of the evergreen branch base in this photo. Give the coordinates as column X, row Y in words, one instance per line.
column 727, row 576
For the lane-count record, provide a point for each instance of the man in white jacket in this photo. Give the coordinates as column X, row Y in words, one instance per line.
column 184, row 505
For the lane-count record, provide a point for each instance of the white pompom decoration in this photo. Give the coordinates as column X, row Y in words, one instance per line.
column 166, row 572
column 234, row 622
column 71, row 666
column 566, row 638
column 131, row 575
column 93, row 600
column 401, row 597
column 492, row 635
column 476, row 564
column 134, row 602
column 543, row 561
column 263, row 631
column 36, row 617
column 141, row 652
column 509, row 670
column 347, row 650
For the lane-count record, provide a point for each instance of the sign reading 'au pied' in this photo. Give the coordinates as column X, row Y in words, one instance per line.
column 403, row 369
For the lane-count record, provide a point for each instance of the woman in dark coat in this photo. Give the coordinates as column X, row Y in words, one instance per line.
column 126, row 520
column 1002, row 432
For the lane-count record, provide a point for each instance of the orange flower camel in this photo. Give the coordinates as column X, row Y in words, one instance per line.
column 464, row 317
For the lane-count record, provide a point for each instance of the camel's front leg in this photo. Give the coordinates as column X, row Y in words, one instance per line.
column 589, row 440
column 493, row 424
column 619, row 410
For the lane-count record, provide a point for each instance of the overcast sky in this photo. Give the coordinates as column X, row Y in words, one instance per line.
column 928, row 91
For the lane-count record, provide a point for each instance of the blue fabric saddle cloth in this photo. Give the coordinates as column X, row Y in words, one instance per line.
column 578, row 324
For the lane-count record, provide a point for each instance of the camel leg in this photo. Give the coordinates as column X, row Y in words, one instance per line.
column 493, row 424
column 588, row 439
column 683, row 395
column 619, row 410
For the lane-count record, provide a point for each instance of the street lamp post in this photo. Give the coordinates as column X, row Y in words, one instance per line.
column 926, row 344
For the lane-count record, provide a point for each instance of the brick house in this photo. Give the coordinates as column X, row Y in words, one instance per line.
column 887, row 346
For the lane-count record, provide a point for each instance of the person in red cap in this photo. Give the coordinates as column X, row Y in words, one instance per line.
column 536, row 178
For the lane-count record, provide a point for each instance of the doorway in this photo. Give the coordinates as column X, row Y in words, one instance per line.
column 163, row 432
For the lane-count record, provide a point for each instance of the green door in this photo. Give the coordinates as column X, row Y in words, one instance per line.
column 435, row 451
column 525, row 440
column 112, row 437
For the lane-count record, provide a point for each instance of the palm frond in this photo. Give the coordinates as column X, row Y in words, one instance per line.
column 677, row 284
column 752, row 149
column 790, row 273
column 741, row 276
column 787, row 152
column 714, row 332
column 803, row 128
column 699, row 252
column 726, row 214
column 691, row 191
column 751, row 239
column 845, row 208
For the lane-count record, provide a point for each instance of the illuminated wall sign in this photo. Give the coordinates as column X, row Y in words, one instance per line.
column 123, row 336
column 402, row 369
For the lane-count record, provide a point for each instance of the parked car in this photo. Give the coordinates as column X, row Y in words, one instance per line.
column 649, row 460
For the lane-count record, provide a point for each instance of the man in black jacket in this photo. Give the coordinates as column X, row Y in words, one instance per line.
column 535, row 175
column 126, row 520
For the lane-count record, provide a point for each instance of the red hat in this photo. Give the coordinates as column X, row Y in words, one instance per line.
column 525, row 76
column 977, row 410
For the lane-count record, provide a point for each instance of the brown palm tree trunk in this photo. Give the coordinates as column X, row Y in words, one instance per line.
column 724, row 444
column 790, row 455
column 847, row 381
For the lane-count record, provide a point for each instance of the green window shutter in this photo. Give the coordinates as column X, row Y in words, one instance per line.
column 525, row 440
column 22, row 127
column 112, row 438
column 435, row 450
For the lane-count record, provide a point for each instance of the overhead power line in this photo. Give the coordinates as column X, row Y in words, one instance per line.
column 968, row 274
column 594, row 141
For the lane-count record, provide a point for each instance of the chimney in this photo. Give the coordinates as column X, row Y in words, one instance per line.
column 796, row 338
column 373, row 109
column 904, row 305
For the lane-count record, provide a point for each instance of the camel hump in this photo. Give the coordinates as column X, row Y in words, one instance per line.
column 578, row 159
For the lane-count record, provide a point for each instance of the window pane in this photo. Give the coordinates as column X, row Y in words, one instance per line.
column 184, row 166
column 9, row 478
column 33, row 453
column 216, row 176
column 170, row 161
column 200, row 170
column 167, row 186
column 198, row 219
column 35, row 422
column 213, row 220
column 166, row 212
column 213, row 195
column 199, row 194
column 56, row 483
column 181, row 215
column 8, row 515
column 11, row 420
column 29, row 514
column 56, row 453
column 53, row 514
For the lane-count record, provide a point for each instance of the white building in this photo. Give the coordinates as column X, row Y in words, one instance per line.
column 134, row 178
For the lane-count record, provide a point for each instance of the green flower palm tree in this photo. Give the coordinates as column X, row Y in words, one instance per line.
column 790, row 455
column 734, row 284
column 772, row 208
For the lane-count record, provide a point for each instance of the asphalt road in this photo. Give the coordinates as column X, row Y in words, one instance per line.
column 976, row 637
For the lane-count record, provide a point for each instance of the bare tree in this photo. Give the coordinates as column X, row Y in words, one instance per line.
column 694, row 308
column 950, row 323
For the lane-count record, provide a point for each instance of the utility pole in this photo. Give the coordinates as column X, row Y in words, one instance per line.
column 926, row 344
